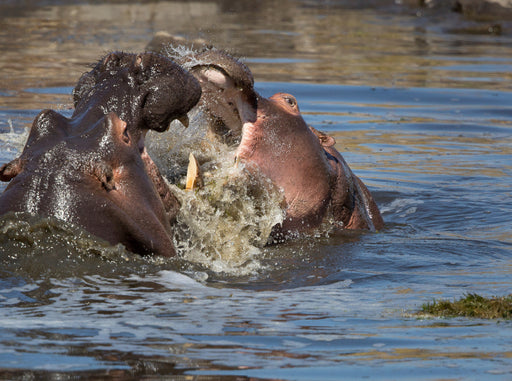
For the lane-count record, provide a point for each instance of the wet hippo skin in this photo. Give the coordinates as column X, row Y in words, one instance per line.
column 316, row 181
column 273, row 139
column 92, row 169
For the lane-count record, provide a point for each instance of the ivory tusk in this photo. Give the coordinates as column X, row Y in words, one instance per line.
column 194, row 177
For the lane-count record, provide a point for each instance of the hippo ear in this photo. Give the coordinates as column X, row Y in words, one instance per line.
column 11, row 170
column 88, row 80
column 325, row 140
column 105, row 174
column 85, row 84
column 119, row 128
column 112, row 61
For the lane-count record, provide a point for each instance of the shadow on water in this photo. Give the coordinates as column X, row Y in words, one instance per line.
column 422, row 114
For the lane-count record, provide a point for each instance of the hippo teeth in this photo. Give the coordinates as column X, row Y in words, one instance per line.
column 194, row 177
column 184, row 120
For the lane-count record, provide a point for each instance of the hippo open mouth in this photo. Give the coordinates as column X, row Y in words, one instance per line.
column 270, row 137
column 228, row 97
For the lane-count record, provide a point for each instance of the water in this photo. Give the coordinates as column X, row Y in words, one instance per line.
column 423, row 115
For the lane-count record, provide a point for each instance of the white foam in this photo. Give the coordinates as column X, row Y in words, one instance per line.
column 401, row 206
column 171, row 280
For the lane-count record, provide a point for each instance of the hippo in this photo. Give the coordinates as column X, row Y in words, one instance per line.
column 273, row 140
column 148, row 90
column 316, row 181
column 91, row 170
column 227, row 83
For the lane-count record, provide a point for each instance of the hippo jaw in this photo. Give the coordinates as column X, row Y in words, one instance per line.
column 146, row 89
column 226, row 104
column 228, row 97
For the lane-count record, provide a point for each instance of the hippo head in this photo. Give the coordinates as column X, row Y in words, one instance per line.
column 316, row 181
column 148, row 90
column 92, row 170
column 280, row 145
column 272, row 139
column 94, row 179
column 228, row 97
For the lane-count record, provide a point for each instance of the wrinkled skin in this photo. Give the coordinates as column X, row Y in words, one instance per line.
column 273, row 138
column 92, row 170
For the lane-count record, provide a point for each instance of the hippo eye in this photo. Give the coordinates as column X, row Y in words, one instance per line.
column 291, row 101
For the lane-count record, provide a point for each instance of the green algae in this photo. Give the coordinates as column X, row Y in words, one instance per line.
column 472, row 305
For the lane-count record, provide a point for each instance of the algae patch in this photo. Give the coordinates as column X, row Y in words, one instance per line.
column 472, row 305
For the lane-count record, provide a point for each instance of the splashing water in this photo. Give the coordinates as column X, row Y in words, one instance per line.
column 170, row 150
column 12, row 142
column 25, row 238
column 224, row 224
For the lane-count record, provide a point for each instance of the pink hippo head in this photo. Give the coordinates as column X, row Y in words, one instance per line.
column 316, row 181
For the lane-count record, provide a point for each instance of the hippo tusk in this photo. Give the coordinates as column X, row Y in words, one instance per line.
column 184, row 120
column 194, row 177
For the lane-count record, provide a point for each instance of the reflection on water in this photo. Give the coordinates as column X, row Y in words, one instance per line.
column 422, row 115
column 282, row 41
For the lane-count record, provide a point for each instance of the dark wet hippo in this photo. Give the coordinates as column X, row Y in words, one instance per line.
column 227, row 84
column 228, row 95
column 273, row 138
column 92, row 170
column 148, row 91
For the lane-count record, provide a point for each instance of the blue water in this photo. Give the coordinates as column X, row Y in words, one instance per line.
column 433, row 143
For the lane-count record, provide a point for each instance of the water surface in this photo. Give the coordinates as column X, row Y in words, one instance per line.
column 421, row 114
